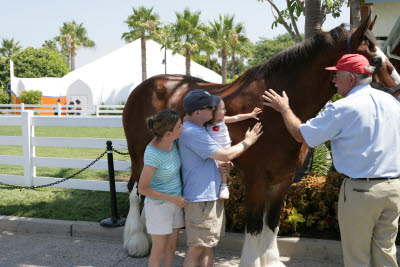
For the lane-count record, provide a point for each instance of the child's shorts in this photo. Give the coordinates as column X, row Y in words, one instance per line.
column 162, row 217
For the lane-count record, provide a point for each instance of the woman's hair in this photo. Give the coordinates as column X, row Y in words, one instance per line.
column 163, row 121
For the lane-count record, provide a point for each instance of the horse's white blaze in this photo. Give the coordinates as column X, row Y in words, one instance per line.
column 261, row 250
column 135, row 239
column 380, row 54
column 395, row 75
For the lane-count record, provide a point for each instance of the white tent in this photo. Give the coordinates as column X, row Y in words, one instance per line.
column 110, row 79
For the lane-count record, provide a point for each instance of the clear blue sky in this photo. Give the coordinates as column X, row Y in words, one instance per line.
column 33, row 22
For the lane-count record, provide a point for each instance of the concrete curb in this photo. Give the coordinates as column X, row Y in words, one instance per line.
column 318, row 249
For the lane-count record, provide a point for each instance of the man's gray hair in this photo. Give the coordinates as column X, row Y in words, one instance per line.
column 362, row 78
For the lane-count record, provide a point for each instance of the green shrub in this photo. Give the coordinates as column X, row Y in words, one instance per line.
column 314, row 199
column 31, row 97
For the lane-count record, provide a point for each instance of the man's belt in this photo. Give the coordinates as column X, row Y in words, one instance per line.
column 375, row 179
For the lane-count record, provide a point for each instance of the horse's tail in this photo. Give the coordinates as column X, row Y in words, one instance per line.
column 135, row 239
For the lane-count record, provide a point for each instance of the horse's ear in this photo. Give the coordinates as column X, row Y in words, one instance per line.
column 359, row 34
column 371, row 25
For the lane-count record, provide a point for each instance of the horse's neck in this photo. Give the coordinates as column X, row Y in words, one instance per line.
column 308, row 97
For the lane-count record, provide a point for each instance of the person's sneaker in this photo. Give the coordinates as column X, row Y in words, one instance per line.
column 224, row 193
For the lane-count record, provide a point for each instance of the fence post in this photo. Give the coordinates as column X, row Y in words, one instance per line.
column 22, row 107
column 114, row 221
column 97, row 111
column 59, row 109
column 28, row 149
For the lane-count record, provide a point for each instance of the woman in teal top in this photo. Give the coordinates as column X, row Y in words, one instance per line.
column 161, row 183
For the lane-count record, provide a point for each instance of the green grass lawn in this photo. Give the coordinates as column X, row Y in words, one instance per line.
column 58, row 203
column 64, row 152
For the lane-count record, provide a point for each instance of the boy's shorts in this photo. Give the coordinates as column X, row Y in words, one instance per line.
column 162, row 217
column 205, row 223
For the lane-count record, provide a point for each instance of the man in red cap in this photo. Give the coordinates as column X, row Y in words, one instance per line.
column 364, row 130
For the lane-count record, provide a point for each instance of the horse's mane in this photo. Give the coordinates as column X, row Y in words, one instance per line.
column 300, row 52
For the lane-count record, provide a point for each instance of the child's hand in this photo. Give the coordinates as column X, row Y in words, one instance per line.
column 255, row 112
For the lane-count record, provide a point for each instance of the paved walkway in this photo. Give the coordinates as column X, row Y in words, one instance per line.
column 17, row 249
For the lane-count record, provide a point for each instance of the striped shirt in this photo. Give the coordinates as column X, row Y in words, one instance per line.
column 166, row 178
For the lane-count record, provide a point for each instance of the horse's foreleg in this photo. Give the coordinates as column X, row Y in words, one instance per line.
column 135, row 239
column 261, row 247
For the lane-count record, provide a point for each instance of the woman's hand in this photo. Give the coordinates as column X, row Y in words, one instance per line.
column 178, row 200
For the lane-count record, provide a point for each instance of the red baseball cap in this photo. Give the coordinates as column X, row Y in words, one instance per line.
column 355, row 63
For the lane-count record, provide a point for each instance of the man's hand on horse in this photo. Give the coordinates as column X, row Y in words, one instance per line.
column 275, row 101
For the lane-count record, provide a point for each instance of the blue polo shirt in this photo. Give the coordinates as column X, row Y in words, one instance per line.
column 364, row 129
column 200, row 174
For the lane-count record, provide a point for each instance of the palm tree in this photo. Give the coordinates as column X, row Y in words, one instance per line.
column 9, row 47
column 222, row 33
column 165, row 37
column 208, row 45
column 141, row 24
column 72, row 37
column 238, row 44
column 51, row 44
column 189, row 32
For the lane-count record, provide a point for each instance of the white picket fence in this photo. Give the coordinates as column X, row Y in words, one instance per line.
column 61, row 110
column 28, row 141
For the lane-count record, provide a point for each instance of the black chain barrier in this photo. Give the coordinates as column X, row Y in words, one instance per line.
column 121, row 153
column 60, row 181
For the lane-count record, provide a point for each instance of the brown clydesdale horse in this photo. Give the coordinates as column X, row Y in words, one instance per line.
column 270, row 165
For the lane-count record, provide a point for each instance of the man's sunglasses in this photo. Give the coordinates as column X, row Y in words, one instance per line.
column 206, row 108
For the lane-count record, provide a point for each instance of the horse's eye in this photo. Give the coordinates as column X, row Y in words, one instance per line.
column 376, row 61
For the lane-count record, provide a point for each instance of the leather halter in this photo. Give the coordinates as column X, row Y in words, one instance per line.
column 373, row 84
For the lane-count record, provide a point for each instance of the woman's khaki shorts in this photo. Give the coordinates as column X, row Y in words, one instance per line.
column 205, row 223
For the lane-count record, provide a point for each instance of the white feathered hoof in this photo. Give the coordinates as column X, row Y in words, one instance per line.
column 135, row 239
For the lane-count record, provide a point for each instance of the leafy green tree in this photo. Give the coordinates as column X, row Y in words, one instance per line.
column 315, row 12
column 265, row 48
column 51, row 44
column 72, row 37
column 205, row 61
column 9, row 47
column 33, row 63
column 31, row 97
column 189, row 32
column 141, row 25
column 4, row 97
column 240, row 66
column 4, row 72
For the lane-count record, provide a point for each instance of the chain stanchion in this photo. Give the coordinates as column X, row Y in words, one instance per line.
column 60, row 181
column 114, row 221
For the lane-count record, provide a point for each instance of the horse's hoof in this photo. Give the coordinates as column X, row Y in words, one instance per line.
column 138, row 245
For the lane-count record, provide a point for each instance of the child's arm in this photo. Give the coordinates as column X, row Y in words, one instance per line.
column 241, row 117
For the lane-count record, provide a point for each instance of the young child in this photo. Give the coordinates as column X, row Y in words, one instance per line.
column 218, row 131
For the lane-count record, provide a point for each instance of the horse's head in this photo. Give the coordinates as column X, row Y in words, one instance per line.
column 385, row 75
